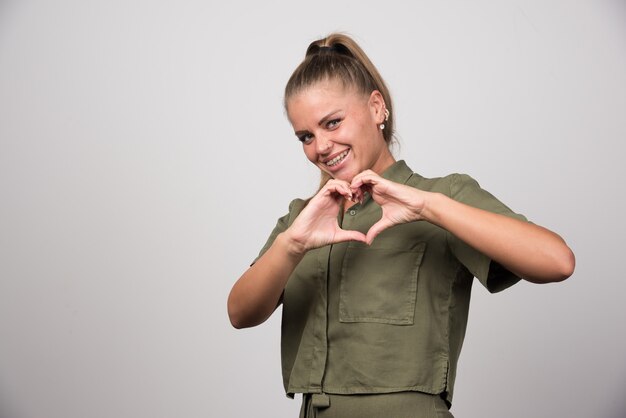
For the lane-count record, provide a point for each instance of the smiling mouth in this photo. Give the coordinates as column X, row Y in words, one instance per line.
column 337, row 159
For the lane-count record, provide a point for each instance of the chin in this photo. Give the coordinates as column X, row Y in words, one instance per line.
column 345, row 175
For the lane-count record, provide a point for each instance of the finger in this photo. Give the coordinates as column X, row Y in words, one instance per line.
column 359, row 192
column 376, row 229
column 339, row 187
column 366, row 178
column 337, row 181
column 367, row 173
column 357, row 195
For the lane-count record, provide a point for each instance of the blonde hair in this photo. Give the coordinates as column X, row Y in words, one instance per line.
column 339, row 57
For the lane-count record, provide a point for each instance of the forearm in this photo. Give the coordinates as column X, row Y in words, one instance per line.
column 256, row 294
column 529, row 251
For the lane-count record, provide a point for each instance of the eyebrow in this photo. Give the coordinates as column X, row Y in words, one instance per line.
column 321, row 122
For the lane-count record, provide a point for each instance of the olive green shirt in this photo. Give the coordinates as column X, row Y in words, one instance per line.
column 391, row 316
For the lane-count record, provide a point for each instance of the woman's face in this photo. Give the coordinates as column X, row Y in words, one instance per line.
column 339, row 129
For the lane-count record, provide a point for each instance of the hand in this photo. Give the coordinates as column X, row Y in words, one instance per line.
column 317, row 226
column 400, row 204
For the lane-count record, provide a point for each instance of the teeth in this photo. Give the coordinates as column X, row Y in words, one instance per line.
column 337, row 159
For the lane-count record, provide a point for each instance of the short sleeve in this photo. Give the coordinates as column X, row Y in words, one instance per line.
column 492, row 275
column 282, row 224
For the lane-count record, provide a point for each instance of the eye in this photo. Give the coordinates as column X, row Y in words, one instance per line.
column 306, row 138
column 331, row 124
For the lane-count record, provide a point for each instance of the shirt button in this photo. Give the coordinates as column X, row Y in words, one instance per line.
column 352, row 212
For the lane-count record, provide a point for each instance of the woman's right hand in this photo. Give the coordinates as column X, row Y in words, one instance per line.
column 317, row 226
column 257, row 293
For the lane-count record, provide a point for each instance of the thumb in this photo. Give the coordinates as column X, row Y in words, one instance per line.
column 349, row 235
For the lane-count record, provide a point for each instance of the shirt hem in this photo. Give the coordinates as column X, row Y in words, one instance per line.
column 365, row 390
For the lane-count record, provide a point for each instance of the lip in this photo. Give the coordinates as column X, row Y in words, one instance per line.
column 341, row 163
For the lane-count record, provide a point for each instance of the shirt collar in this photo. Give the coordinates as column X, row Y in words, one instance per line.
column 398, row 172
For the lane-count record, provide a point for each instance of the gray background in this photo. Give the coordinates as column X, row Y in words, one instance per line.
column 145, row 156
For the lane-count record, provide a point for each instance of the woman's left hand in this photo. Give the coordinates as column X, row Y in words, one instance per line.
column 400, row 204
column 527, row 250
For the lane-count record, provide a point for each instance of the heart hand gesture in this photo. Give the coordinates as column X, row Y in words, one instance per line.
column 317, row 226
column 400, row 203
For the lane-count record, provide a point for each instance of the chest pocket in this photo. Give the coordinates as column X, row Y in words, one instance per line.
column 380, row 284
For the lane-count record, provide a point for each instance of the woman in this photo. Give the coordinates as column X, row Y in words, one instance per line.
column 374, row 272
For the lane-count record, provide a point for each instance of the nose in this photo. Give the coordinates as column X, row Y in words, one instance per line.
column 323, row 144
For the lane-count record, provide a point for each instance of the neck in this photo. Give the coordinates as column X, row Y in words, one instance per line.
column 385, row 161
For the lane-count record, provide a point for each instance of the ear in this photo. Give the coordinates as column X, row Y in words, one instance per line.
column 377, row 107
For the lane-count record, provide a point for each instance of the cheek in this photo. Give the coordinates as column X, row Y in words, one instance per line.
column 310, row 153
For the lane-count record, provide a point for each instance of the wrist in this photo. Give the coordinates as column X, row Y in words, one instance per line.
column 293, row 247
column 431, row 210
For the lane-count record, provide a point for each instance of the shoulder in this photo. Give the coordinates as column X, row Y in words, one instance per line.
column 450, row 184
column 456, row 185
column 295, row 207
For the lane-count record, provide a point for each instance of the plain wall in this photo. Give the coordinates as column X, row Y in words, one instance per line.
column 145, row 157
